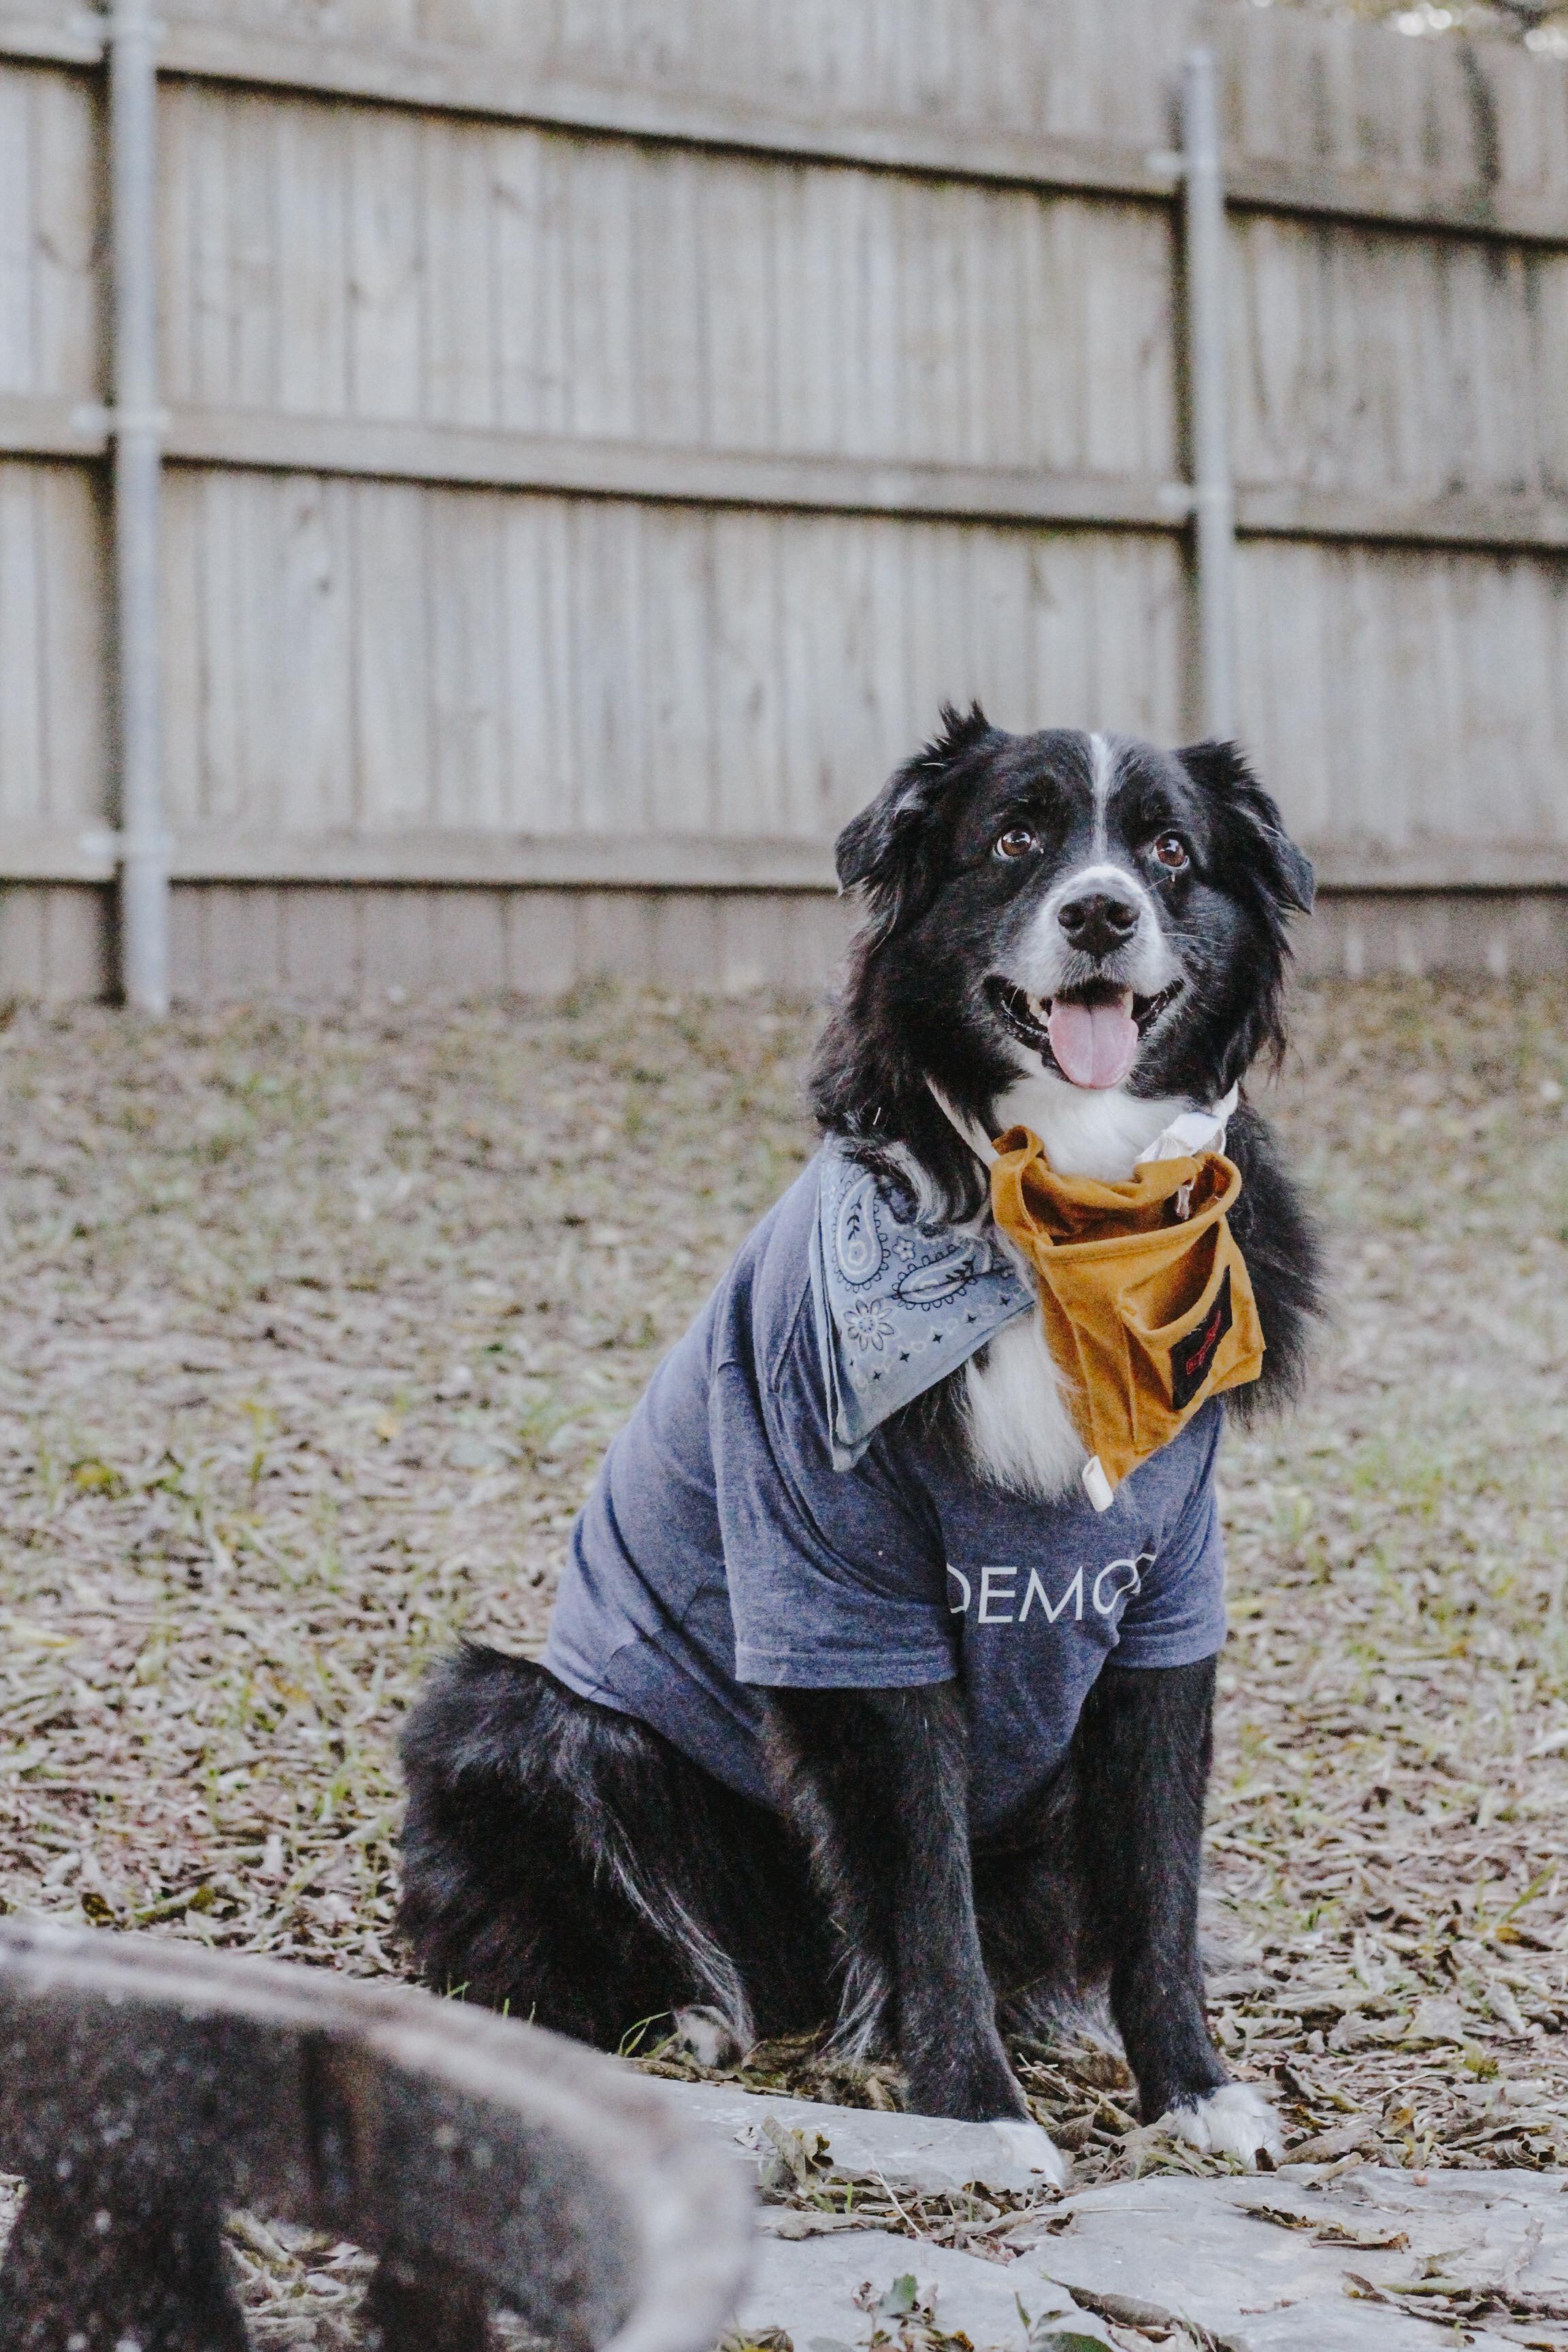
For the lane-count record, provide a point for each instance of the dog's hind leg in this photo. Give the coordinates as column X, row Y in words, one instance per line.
column 564, row 1862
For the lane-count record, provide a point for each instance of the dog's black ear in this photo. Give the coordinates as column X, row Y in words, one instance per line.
column 880, row 847
column 1222, row 769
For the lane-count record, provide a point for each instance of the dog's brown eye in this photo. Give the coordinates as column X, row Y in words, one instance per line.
column 1017, row 841
column 1172, row 851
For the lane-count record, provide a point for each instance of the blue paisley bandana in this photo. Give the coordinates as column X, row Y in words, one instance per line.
column 898, row 1304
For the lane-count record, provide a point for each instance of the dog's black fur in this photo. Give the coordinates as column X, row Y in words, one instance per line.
column 565, row 1860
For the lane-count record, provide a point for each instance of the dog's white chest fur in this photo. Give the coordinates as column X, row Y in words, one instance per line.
column 1018, row 1431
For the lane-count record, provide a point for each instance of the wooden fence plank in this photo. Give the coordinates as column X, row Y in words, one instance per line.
column 270, row 282
column 52, row 668
column 22, row 728
column 311, row 635
column 76, row 941
column 18, row 355
column 465, row 615
column 72, row 588
column 395, row 748
column 387, row 265
column 311, row 322
column 467, row 944
column 600, row 296
column 186, row 680
column 68, row 296
column 202, row 327
column 544, row 765
column 748, row 753
column 460, row 291
column 396, row 943
column 236, row 556
column 540, row 941
column 318, row 944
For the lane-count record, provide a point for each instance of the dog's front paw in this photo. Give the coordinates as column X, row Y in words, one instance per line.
column 708, row 2036
column 1236, row 2120
column 1028, row 2144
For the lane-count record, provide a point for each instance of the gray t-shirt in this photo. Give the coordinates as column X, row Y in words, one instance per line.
column 720, row 1550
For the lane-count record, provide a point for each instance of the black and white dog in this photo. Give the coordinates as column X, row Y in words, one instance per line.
column 750, row 1780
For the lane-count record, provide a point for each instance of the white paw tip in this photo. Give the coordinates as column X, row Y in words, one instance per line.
column 710, row 2037
column 1029, row 2145
column 1236, row 2120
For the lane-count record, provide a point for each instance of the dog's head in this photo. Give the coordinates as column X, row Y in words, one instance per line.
column 1087, row 904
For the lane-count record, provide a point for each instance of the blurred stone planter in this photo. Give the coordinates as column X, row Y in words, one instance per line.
column 147, row 2087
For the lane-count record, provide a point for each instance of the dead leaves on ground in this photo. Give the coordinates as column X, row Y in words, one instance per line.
column 805, row 2194
column 313, row 1332
column 277, row 1420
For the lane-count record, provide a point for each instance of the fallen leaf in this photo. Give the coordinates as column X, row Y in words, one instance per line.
column 1343, row 2140
column 1436, row 2022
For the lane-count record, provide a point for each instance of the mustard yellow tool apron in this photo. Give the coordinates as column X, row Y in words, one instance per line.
column 1147, row 1302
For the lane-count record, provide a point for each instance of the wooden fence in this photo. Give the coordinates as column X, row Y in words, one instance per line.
column 600, row 432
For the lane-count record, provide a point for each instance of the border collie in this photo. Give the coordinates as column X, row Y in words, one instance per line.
column 887, row 1722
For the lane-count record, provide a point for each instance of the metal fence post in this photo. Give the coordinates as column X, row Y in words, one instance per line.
column 1213, row 491
column 138, row 425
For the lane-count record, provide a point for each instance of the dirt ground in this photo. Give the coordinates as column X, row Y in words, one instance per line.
column 314, row 1329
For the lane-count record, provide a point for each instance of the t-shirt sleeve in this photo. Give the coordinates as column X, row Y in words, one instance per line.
column 837, row 1578
column 1177, row 1615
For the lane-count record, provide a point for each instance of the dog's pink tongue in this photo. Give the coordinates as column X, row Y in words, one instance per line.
column 1096, row 1045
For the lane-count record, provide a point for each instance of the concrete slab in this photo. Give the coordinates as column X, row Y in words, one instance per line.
column 923, row 2151
column 1198, row 2249
column 810, row 2290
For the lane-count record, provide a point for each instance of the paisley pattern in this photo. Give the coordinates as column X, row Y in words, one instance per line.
column 856, row 1246
column 898, row 1304
column 928, row 1285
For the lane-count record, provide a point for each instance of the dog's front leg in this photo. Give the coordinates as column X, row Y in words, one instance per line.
column 878, row 1780
column 1141, row 1758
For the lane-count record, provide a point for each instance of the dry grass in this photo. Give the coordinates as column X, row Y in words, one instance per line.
column 1387, row 1829
column 314, row 1329
column 312, row 1337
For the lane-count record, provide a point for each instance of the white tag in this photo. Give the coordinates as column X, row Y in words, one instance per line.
column 1194, row 1132
column 1096, row 1485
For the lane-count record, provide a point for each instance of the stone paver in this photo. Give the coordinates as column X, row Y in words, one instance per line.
column 1193, row 2248
column 923, row 2150
column 809, row 2290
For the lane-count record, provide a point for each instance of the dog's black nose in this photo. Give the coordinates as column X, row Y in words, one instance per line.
column 1098, row 921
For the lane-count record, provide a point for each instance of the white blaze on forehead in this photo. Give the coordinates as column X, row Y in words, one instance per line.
column 1043, row 958
column 1101, row 776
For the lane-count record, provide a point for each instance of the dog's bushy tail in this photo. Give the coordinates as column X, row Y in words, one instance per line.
column 566, row 1862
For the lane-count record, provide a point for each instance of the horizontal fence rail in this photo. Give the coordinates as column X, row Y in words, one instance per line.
column 449, row 81
column 451, row 859
column 697, row 476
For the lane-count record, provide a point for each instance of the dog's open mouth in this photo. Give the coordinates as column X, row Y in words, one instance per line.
column 1090, row 1035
